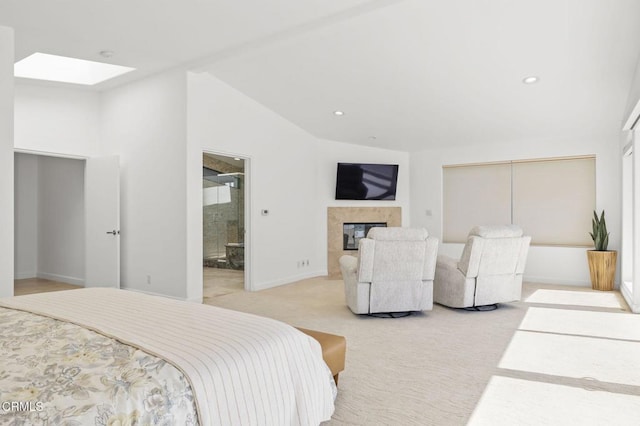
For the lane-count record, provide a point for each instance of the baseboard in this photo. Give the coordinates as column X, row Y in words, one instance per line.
column 25, row 275
column 61, row 278
column 547, row 280
column 288, row 280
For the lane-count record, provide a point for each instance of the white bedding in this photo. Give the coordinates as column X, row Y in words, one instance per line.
column 243, row 369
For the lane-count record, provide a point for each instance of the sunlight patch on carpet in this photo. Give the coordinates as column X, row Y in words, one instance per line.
column 576, row 298
column 577, row 357
column 585, row 323
column 508, row 401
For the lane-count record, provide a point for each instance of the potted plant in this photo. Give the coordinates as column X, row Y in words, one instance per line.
column 602, row 262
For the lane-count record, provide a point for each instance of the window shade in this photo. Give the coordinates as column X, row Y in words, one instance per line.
column 553, row 200
column 475, row 195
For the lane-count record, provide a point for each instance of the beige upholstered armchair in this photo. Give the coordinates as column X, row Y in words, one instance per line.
column 489, row 271
column 393, row 271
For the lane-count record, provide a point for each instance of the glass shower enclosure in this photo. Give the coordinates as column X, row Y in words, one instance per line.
column 223, row 219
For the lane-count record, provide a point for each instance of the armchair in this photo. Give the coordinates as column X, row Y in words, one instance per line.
column 393, row 272
column 489, row 271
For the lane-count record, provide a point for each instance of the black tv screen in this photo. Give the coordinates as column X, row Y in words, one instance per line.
column 366, row 181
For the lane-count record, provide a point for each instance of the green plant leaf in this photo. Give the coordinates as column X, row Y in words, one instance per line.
column 600, row 235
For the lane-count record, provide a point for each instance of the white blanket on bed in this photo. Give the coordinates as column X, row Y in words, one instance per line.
column 243, row 369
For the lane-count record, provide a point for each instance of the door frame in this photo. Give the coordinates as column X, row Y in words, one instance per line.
column 248, row 242
column 632, row 294
column 50, row 154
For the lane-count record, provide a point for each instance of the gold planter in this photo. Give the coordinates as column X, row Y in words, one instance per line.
column 602, row 267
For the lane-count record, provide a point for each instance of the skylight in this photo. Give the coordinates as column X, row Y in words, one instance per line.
column 42, row 66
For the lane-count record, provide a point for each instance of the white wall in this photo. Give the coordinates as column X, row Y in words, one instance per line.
column 61, row 219
column 6, row 161
column 545, row 264
column 634, row 95
column 62, row 122
column 282, row 179
column 144, row 122
column 292, row 174
column 26, row 216
column 57, row 120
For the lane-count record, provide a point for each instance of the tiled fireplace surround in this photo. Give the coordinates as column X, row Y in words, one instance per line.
column 337, row 216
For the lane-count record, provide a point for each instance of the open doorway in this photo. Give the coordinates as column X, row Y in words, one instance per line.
column 67, row 222
column 223, row 225
column 49, row 225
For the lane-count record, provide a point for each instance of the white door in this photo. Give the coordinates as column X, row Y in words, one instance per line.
column 102, row 221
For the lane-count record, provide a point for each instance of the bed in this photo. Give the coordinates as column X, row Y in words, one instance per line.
column 105, row 356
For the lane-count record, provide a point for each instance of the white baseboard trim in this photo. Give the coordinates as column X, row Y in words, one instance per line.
column 288, row 280
column 547, row 280
column 61, row 278
column 153, row 293
column 25, row 275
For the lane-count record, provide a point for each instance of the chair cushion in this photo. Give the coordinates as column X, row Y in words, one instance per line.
column 497, row 231
column 397, row 234
column 399, row 260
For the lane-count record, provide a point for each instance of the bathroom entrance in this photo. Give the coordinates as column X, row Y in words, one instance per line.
column 223, row 224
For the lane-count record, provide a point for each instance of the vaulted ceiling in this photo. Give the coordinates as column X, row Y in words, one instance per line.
column 408, row 74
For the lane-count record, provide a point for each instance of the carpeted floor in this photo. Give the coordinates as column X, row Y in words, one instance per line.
column 574, row 359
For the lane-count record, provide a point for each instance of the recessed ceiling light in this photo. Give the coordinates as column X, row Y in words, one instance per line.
column 530, row 80
column 42, row 66
column 106, row 53
column 237, row 158
column 373, row 138
column 338, row 113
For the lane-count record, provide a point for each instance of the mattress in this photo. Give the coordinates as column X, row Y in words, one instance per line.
column 101, row 356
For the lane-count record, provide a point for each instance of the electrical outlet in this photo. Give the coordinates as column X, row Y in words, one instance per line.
column 149, row 279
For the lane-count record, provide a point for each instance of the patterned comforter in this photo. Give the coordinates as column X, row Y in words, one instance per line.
column 113, row 357
column 64, row 374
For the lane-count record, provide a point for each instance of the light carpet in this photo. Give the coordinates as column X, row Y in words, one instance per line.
column 453, row 367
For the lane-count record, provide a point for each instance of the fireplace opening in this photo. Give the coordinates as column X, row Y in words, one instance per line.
column 352, row 233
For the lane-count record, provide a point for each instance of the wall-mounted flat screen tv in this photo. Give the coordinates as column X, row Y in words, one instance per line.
column 357, row 181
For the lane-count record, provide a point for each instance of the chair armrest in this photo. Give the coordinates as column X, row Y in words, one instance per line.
column 447, row 270
column 349, row 269
column 430, row 260
column 450, row 284
column 446, row 263
column 348, row 264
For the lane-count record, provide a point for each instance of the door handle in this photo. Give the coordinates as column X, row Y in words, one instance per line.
column 114, row 232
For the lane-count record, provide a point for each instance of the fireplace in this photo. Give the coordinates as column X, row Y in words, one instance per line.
column 352, row 233
column 338, row 216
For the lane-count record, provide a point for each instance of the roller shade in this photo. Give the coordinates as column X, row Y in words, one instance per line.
column 551, row 199
column 475, row 195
